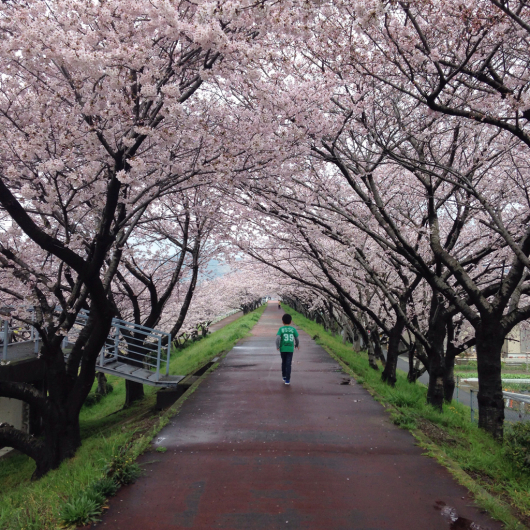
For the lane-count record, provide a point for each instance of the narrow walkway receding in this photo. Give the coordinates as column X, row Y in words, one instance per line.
column 247, row 452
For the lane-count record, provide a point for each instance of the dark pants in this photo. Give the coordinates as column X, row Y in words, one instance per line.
column 287, row 360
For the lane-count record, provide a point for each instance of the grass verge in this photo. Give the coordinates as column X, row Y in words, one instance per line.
column 513, row 377
column 474, row 458
column 471, row 366
column 510, row 382
column 106, row 430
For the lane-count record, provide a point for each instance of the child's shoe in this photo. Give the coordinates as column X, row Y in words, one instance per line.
column 287, row 382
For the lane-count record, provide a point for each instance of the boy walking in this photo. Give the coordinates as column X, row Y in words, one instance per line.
column 286, row 340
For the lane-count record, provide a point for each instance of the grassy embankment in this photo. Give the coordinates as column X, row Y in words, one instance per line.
column 472, row 456
column 106, row 429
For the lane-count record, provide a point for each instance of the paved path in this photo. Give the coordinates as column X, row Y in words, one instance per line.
column 228, row 320
column 247, row 452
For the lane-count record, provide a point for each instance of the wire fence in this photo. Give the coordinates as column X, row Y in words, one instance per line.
column 516, row 405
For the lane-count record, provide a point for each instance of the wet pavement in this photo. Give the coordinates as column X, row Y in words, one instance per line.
column 247, row 452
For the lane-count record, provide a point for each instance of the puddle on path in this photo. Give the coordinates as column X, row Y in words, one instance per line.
column 454, row 520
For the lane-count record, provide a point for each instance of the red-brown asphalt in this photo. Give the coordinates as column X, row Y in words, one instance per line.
column 247, row 452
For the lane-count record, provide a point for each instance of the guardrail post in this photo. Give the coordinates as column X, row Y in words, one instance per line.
column 116, row 341
column 472, row 410
column 157, row 377
column 37, row 340
column 102, row 357
column 4, row 345
column 168, row 353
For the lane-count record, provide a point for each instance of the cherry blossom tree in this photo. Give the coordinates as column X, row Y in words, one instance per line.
column 241, row 289
column 98, row 122
column 173, row 244
column 383, row 66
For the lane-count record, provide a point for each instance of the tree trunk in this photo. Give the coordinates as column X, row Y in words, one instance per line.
column 61, row 435
column 102, row 384
column 435, row 391
column 65, row 397
column 490, row 337
column 187, row 299
column 436, row 354
column 411, row 376
column 449, row 381
column 58, row 411
column 371, row 331
column 378, row 349
column 450, row 355
column 356, row 342
column 371, row 356
column 62, row 438
column 389, row 373
column 414, row 364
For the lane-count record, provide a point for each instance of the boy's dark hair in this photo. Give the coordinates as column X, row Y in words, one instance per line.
column 286, row 319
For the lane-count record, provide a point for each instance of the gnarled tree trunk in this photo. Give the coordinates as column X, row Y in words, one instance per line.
column 356, row 341
column 411, row 376
column 490, row 338
column 378, row 349
column 416, row 356
column 450, row 355
column 59, row 408
column 371, row 330
column 389, row 373
column 436, row 354
column 102, row 384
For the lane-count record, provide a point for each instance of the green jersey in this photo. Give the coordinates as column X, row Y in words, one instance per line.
column 288, row 338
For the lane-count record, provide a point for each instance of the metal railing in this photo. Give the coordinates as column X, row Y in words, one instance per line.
column 8, row 336
column 132, row 344
column 129, row 343
column 517, row 406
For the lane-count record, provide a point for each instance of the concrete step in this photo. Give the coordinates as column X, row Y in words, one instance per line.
column 167, row 396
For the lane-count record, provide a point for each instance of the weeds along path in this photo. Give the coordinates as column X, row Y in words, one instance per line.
column 247, row 452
